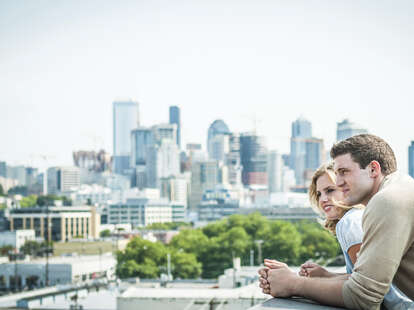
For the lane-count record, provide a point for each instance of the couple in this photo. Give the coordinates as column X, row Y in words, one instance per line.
column 365, row 171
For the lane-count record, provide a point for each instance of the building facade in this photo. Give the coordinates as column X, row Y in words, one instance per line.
column 141, row 212
column 175, row 119
column 62, row 179
column 57, row 223
column 253, row 159
column 16, row 238
column 125, row 119
column 411, row 159
column 347, row 129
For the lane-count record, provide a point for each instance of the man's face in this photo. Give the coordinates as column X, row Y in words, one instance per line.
column 355, row 182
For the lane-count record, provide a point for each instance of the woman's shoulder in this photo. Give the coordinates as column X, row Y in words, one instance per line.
column 349, row 228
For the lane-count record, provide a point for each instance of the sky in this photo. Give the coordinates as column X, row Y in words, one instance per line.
column 255, row 64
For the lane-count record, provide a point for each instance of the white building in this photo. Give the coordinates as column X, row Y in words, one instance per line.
column 95, row 194
column 7, row 183
column 143, row 210
column 16, row 238
column 274, row 171
column 62, row 179
column 61, row 270
column 163, row 161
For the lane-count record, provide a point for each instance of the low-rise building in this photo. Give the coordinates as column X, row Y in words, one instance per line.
column 145, row 211
column 16, row 238
column 57, row 223
column 58, row 270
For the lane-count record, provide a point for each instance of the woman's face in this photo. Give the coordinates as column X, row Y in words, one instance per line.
column 327, row 193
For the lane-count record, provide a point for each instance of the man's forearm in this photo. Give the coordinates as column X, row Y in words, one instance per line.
column 323, row 290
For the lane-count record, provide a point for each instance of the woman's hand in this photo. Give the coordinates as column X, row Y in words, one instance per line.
column 310, row 269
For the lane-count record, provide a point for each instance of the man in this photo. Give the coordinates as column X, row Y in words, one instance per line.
column 365, row 167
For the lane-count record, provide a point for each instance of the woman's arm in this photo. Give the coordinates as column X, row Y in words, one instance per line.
column 353, row 251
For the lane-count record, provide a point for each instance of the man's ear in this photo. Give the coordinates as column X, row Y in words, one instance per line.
column 374, row 169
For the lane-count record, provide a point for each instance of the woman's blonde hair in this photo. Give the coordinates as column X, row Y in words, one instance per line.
column 314, row 199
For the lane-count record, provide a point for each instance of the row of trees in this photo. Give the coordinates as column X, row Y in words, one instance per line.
column 43, row 200
column 206, row 252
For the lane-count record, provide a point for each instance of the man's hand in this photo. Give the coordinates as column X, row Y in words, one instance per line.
column 310, row 269
column 281, row 279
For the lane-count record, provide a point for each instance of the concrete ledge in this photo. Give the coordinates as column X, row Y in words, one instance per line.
column 291, row 303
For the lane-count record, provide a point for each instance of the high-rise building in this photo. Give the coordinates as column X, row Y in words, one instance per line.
column 62, row 179
column 253, row 159
column 18, row 173
column 164, row 132
column 347, row 129
column 162, row 162
column 175, row 189
column 142, row 139
column 3, row 169
column 301, row 132
column 274, row 171
column 233, row 160
column 92, row 161
column 125, row 119
column 219, row 147
column 411, row 159
column 301, row 128
column 175, row 119
column 217, row 128
column 204, row 176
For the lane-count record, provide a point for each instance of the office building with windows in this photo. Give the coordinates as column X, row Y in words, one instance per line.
column 125, row 119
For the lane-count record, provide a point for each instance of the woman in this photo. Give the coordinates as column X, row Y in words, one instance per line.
column 344, row 222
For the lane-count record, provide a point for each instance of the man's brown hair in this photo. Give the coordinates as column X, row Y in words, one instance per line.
column 366, row 148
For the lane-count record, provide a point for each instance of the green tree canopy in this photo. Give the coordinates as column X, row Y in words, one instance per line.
column 29, row 201
column 211, row 249
column 18, row 190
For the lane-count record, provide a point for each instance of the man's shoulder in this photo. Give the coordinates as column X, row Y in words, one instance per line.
column 396, row 193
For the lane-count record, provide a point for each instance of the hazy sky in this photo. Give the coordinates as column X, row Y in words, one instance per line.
column 62, row 63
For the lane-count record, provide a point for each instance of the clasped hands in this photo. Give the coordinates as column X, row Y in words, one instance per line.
column 278, row 280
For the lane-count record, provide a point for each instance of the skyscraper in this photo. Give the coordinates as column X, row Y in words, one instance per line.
column 274, row 171
column 142, row 138
column 346, row 129
column 175, row 119
column 217, row 128
column 306, row 152
column 163, row 161
column 3, row 169
column 253, row 159
column 204, row 175
column 411, row 159
column 125, row 119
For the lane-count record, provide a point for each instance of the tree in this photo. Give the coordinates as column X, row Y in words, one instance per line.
column 141, row 258
column 66, row 201
column 1, row 190
column 215, row 229
column 5, row 249
column 190, row 241
column 46, row 200
column 105, row 233
column 317, row 243
column 18, row 190
column 35, row 248
column 185, row 265
column 29, row 201
column 282, row 242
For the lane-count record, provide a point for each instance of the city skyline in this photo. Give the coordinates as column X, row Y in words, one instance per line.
column 64, row 64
